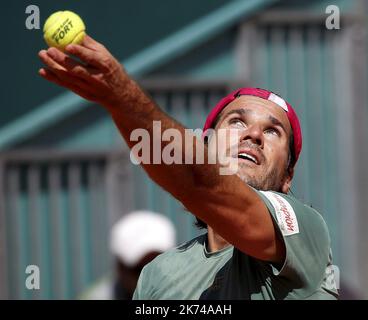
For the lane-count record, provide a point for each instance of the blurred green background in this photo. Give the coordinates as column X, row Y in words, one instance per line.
column 65, row 173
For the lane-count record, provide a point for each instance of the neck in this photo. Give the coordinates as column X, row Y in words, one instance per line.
column 215, row 241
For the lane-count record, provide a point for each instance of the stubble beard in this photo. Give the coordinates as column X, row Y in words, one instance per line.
column 271, row 180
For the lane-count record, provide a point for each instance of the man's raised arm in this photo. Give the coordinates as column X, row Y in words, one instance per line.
column 225, row 203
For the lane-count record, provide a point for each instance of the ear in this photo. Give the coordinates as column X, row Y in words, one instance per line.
column 287, row 181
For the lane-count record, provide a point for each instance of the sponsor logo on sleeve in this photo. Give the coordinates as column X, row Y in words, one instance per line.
column 285, row 214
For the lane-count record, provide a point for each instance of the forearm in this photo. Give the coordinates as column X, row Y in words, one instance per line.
column 136, row 110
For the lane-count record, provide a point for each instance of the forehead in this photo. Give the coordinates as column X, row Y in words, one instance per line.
column 259, row 108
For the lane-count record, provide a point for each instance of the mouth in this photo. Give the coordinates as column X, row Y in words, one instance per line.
column 248, row 157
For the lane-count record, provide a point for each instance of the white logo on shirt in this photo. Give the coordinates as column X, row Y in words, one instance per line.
column 285, row 214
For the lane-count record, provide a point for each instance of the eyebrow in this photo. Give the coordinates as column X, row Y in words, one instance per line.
column 276, row 122
column 238, row 111
column 242, row 112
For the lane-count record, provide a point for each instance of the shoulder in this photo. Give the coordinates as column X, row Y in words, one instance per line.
column 293, row 216
column 284, row 201
column 307, row 242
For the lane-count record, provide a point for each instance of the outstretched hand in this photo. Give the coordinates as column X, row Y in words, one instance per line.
column 99, row 78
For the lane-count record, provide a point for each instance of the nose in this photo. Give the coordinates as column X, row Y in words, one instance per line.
column 254, row 134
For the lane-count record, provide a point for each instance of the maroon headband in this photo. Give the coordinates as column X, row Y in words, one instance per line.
column 267, row 95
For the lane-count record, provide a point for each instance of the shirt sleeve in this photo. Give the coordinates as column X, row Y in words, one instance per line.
column 306, row 240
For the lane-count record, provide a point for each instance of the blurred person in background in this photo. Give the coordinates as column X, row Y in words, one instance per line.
column 135, row 240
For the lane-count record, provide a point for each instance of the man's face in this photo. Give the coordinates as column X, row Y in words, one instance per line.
column 262, row 135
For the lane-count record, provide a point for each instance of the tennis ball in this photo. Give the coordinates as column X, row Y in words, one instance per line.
column 63, row 28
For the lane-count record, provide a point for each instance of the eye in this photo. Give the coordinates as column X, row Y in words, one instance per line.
column 237, row 122
column 272, row 131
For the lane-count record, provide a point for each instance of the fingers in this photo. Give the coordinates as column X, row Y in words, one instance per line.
column 85, row 80
column 61, row 78
column 69, row 64
column 89, row 74
column 56, row 70
column 75, row 86
column 45, row 58
column 48, row 75
column 97, row 59
column 92, row 44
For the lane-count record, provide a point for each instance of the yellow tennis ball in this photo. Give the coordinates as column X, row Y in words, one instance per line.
column 63, row 28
